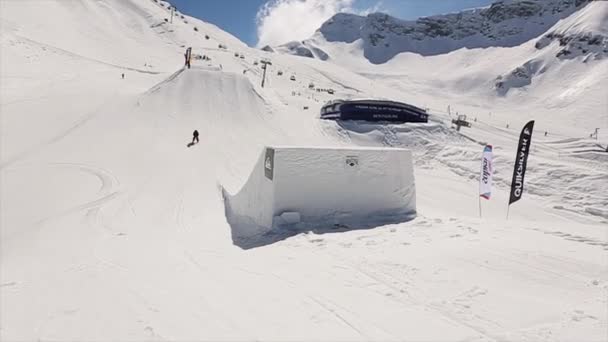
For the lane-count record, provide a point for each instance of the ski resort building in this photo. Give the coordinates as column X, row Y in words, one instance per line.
column 373, row 110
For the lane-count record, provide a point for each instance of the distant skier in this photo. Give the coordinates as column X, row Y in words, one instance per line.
column 123, row 76
column 194, row 137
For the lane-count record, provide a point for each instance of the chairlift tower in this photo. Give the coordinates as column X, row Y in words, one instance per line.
column 461, row 121
column 265, row 63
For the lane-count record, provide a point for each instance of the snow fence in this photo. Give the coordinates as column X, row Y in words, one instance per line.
column 308, row 187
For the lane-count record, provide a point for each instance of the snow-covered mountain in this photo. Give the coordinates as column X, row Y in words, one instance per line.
column 112, row 229
column 503, row 24
column 582, row 36
column 516, row 50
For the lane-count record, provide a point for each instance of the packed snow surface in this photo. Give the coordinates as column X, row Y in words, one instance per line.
column 112, row 229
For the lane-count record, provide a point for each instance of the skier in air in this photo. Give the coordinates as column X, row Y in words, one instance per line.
column 194, row 137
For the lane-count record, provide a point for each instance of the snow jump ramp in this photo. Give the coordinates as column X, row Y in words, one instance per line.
column 294, row 189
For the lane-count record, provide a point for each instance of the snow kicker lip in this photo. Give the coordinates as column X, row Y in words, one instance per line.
column 373, row 110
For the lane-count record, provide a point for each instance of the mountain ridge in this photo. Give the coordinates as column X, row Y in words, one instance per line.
column 504, row 23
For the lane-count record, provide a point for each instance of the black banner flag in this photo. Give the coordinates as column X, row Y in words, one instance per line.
column 521, row 160
column 188, row 56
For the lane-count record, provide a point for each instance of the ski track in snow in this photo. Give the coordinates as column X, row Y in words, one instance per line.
column 129, row 238
column 72, row 54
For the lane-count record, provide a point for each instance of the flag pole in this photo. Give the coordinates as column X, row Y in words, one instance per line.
column 479, row 191
column 508, row 206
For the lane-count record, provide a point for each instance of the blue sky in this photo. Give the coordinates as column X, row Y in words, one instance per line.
column 278, row 21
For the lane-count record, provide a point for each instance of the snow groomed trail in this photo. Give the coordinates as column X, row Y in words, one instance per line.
column 112, row 229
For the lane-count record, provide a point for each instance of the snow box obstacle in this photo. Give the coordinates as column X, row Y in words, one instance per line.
column 293, row 189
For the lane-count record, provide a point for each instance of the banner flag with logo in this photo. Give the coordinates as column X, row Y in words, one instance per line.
column 485, row 179
column 521, row 161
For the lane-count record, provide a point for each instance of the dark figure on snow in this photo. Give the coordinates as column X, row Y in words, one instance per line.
column 123, row 76
column 195, row 136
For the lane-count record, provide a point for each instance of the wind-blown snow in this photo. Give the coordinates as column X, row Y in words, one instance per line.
column 112, row 229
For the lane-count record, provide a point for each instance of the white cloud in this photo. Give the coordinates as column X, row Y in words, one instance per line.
column 377, row 8
column 281, row 21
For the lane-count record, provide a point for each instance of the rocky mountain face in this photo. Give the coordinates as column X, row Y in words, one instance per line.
column 583, row 35
column 575, row 44
column 505, row 23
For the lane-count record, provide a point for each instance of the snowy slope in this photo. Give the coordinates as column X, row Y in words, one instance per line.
column 97, row 29
column 582, row 36
column 112, row 229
